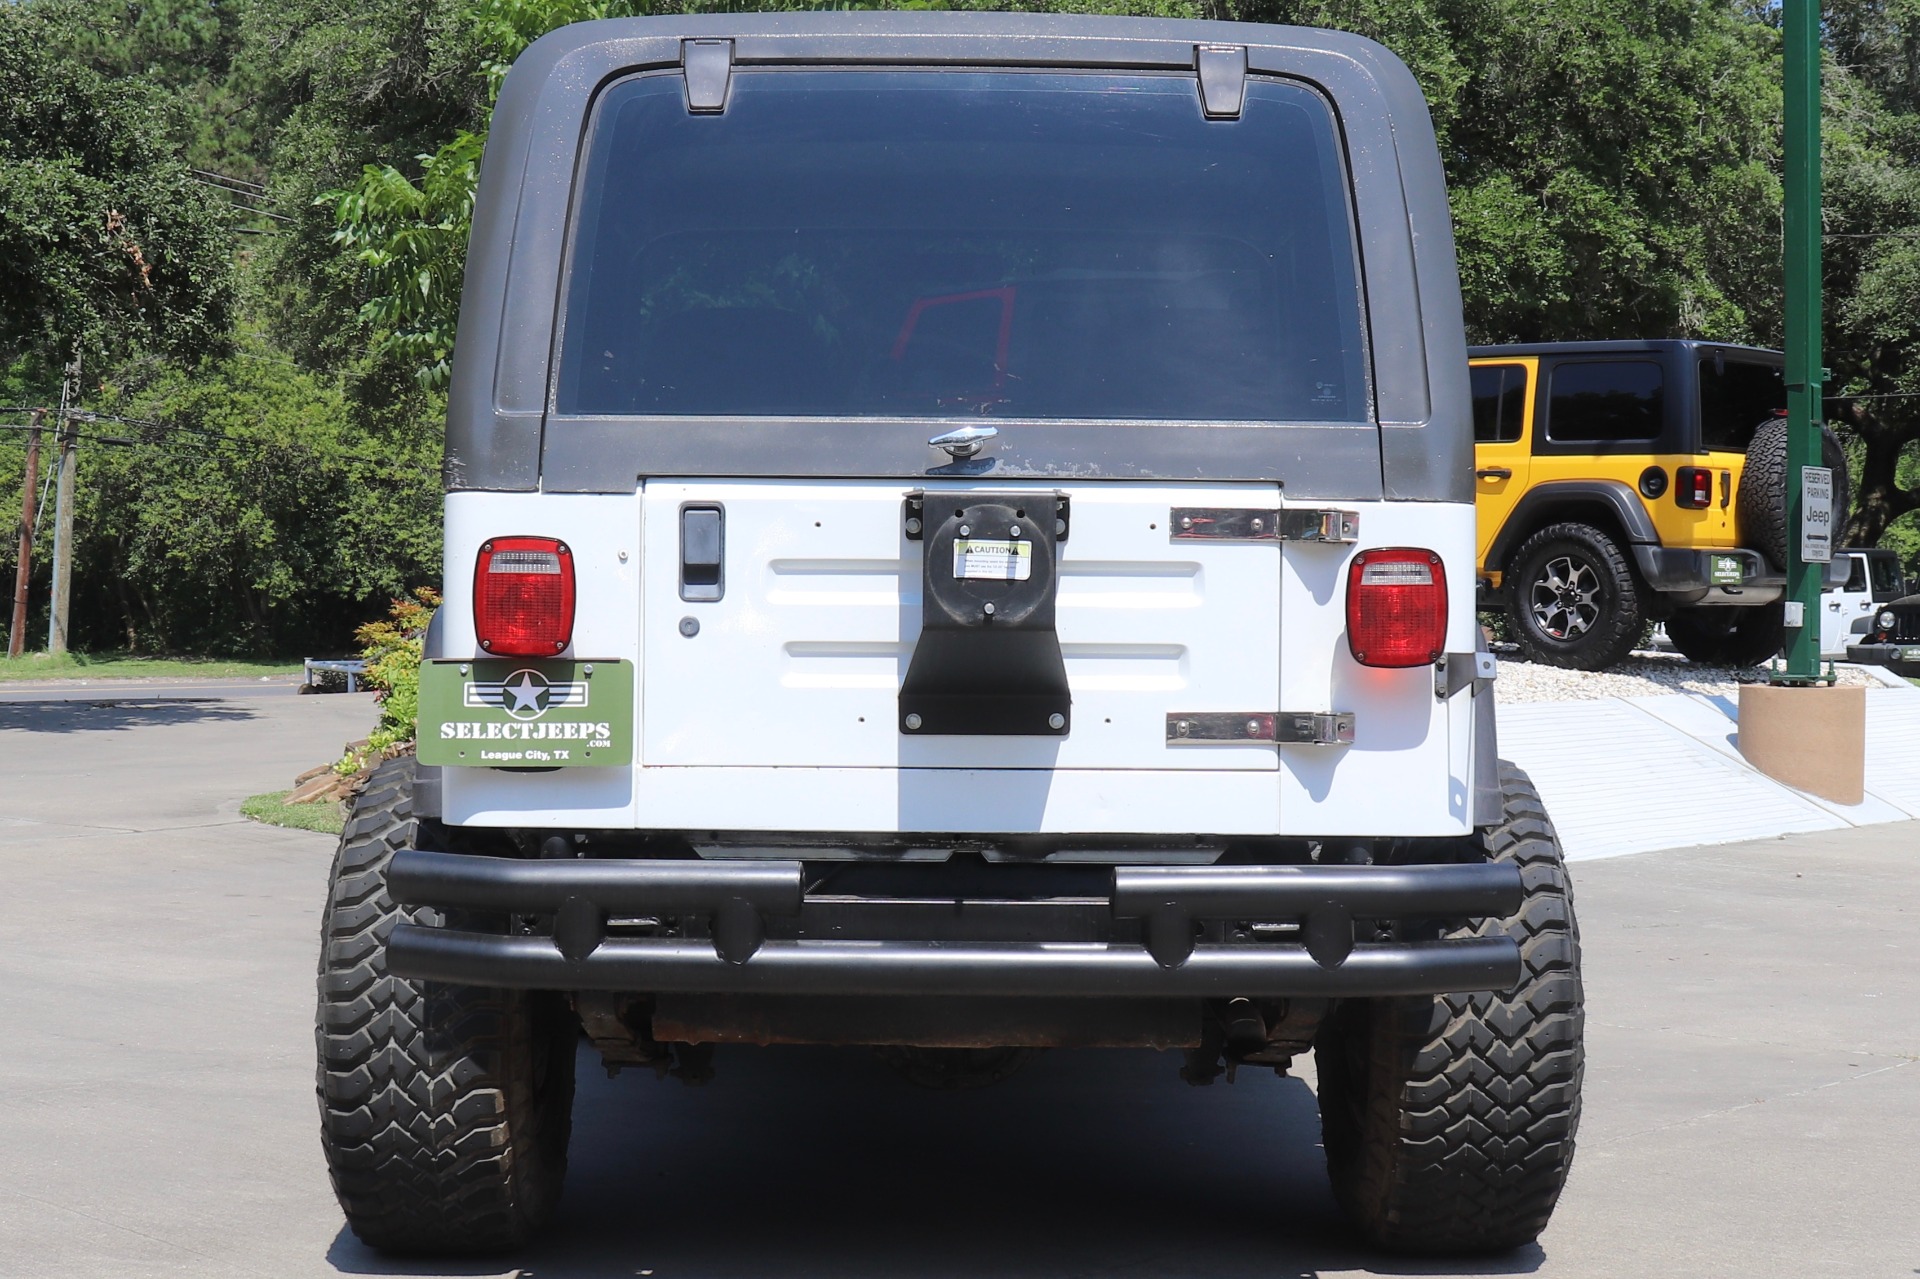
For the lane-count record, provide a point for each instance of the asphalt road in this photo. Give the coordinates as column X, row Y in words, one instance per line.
column 1753, row 1095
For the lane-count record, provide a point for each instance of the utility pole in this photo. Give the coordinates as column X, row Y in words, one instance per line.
column 17, row 632
column 61, row 611
column 1797, row 728
column 1808, row 495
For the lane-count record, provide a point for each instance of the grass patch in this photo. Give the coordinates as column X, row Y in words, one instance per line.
column 272, row 808
column 132, row 666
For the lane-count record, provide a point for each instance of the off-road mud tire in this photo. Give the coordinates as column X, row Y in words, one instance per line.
column 444, row 1110
column 1761, row 505
column 1720, row 636
column 1620, row 599
column 1449, row 1120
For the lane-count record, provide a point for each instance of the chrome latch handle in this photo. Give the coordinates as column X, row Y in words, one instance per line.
column 963, row 442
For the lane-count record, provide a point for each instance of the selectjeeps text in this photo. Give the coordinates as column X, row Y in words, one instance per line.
column 959, row 538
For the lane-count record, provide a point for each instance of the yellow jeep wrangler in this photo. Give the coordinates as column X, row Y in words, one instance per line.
column 1624, row 483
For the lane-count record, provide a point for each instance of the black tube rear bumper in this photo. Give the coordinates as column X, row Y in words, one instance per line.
column 937, row 968
column 1307, row 946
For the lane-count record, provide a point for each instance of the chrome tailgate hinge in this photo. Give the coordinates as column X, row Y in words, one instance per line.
column 1286, row 728
column 1285, row 524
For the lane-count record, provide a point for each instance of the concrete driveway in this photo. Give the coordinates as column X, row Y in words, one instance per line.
column 1753, row 1098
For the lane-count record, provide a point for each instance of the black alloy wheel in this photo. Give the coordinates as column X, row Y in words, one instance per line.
column 1574, row 598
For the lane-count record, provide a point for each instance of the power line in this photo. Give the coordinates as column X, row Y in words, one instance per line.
column 97, row 439
column 175, row 428
column 89, row 415
column 360, row 467
column 248, row 200
column 227, row 179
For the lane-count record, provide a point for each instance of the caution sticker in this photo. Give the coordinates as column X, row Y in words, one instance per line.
column 977, row 559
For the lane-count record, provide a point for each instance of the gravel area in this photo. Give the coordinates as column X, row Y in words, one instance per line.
column 1644, row 674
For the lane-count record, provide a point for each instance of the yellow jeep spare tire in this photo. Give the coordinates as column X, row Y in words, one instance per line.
column 1761, row 512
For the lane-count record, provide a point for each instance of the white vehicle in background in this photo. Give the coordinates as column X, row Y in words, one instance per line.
column 959, row 539
column 1847, row 611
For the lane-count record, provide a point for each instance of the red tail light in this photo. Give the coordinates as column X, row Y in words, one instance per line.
column 523, row 596
column 1396, row 607
column 1693, row 487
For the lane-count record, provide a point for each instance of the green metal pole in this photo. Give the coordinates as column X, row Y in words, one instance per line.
column 1804, row 374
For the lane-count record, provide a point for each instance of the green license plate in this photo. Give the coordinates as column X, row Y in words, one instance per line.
column 1910, row 654
column 524, row 713
column 1725, row 570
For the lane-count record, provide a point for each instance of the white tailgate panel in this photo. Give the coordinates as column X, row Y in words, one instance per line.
column 1410, row 768
column 801, row 663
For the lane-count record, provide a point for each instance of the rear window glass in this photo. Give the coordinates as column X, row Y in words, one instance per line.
column 1605, row 401
column 911, row 243
column 1499, row 403
column 1736, row 396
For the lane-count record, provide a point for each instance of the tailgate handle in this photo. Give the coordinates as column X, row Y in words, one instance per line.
column 703, row 539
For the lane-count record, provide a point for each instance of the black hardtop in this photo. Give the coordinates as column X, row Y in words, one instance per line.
column 503, row 432
column 1687, row 423
column 1646, row 346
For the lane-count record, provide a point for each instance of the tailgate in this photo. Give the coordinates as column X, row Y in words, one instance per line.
column 800, row 661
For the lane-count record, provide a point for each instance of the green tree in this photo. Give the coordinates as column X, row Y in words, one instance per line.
column 1613, row 166
column 408, row 237
column 245, row 506
column 107, row 244
column 186, row 49
column 341, row 87
column 1872, row 260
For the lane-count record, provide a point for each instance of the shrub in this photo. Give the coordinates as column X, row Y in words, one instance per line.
column 392, row 648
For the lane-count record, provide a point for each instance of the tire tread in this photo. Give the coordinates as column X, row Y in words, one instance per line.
column 433, row 1132
column 1449, row 1121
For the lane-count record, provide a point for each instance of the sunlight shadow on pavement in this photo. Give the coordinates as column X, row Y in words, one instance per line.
column 820, row 1162
column 111, row 715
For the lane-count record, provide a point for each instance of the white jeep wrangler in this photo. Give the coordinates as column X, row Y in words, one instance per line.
column 959, row 538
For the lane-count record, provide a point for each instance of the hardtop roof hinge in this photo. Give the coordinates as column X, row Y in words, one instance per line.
column 1223, row 79
column 708, row 67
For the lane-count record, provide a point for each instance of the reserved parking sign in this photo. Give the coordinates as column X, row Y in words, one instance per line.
column 1816, row 515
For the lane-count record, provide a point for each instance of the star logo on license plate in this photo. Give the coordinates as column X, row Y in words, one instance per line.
column 525, row 694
